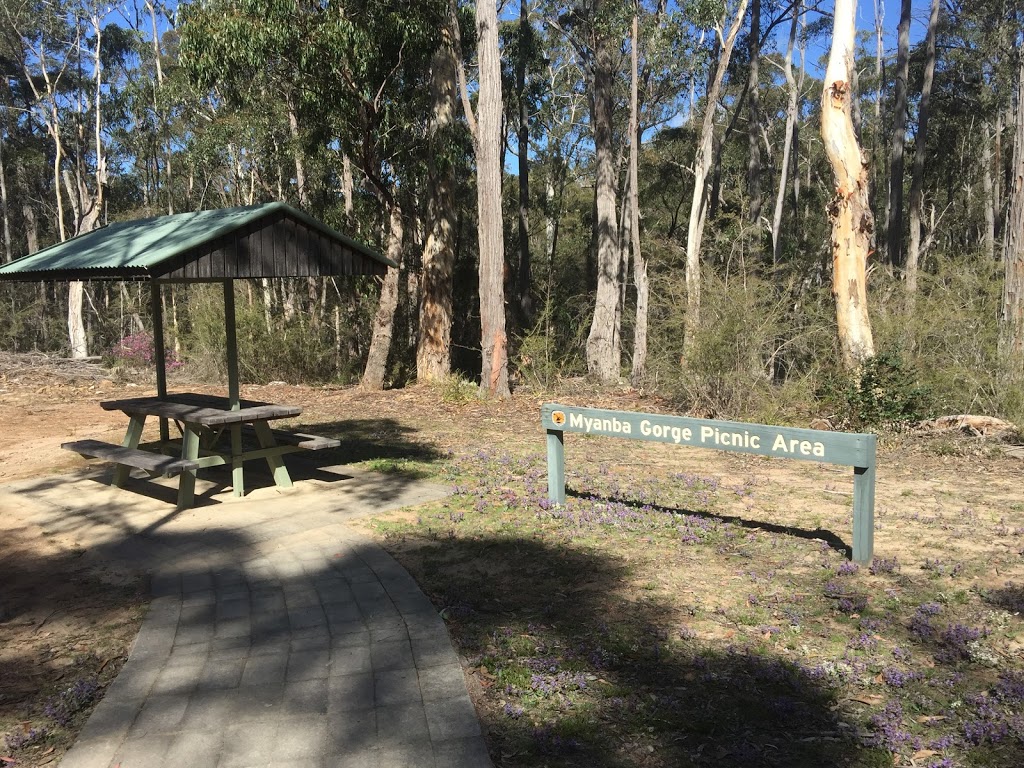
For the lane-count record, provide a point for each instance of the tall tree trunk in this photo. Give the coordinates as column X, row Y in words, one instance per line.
column 346, row 188
column 158, row 85
column 988, row 191
column 787, row 146
column 87, row 206
column 523, row 140
column 4, row 209
column 493, row 343
column 876, row 133
column 603, row 360
column 997, row 192
column 894, row 229
column 879, row 61
column 297, row 155
column 384, row 320
column 920, row 155
column 639, row 263
column 1011, row 336
column 849, row 210
column 433, row 352
column 698, row 205
column 28, row 213
column 754, row 124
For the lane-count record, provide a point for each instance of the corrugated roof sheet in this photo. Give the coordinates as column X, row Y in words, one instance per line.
column 149, row 247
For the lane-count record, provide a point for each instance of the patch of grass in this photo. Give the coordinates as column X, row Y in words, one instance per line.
column 410, row 468
column 655, row 621
column 455, row 389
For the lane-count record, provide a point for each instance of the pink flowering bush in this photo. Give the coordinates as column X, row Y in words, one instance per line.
column 137, row 349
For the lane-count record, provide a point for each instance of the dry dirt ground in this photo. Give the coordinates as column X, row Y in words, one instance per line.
column 61, row 621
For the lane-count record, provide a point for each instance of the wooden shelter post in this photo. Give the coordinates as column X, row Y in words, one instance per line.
column 232, row 344
column 159, row 353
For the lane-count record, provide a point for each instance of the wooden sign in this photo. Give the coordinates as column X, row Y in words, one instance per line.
column 844, row 448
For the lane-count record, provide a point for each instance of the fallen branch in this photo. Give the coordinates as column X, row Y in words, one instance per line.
column 979, row 426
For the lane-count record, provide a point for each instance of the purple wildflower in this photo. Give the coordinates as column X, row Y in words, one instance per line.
column 887, row 728
column 25, row 738
column 884, row 565
column 64, row 706
column 897, row 678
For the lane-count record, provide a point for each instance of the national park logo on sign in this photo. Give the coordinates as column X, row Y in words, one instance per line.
column 558, row 418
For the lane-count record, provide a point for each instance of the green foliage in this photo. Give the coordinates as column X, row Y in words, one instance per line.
column 544, row 356
column 455, row 389
column 755, row 353
column 297, row 350
column 884, row 393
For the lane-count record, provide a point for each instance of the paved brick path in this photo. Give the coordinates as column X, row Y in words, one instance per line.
column 277, row 635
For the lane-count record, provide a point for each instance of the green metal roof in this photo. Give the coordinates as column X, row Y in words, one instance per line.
column 151, row 248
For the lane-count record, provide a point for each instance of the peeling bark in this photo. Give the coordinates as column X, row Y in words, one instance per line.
column 494, row 344
column 849, row 210
column 433, row 351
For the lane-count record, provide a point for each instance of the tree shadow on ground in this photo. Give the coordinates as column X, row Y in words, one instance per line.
column 834, row 541
column 383, row 438
column 272, row 641
column 392, row 449
column 614, row 676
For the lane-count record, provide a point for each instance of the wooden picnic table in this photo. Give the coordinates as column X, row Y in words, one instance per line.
column 203, row 421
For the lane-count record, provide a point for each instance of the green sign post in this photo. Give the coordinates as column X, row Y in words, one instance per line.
column 844, row 448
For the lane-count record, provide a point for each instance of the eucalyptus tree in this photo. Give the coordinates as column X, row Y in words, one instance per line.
column 920, row 157
column 793, row 87
column 356, row 73
column 485, row 128
column 661, row 59
column 701, row 167
column 894, row 229
column 487, row 145
column 59, row 48
column 525, row 91
column 433, row 350
column 595, row 29
column 1011, row 337
column 849, row 209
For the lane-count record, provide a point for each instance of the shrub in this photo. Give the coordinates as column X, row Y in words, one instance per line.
column 138, row 350
column 884, row 393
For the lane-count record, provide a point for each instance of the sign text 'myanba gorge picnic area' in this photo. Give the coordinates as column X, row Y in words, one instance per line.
column 856, row 450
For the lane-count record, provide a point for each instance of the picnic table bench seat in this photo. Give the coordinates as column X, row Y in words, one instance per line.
column 298, row 439
column 155, row 463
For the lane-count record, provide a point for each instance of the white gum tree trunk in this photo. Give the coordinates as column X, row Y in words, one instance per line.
column 701, row 167
column 853, row 225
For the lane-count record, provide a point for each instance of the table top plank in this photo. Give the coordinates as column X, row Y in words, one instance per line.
column 207, row 410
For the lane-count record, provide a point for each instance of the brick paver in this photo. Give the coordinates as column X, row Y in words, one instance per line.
column 277, row 636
